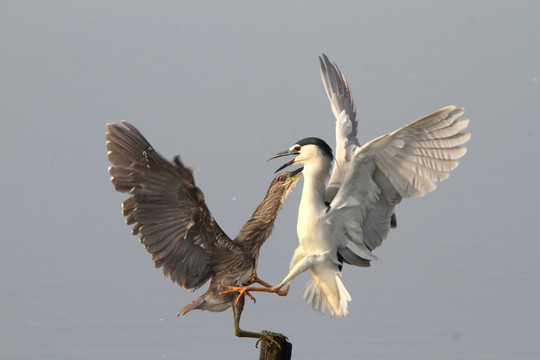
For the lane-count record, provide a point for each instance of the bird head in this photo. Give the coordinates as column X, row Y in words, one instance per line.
column 282, row 185
column 308, row 150
column 286, row 181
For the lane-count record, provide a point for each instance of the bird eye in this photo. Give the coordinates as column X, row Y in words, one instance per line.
column 282, row 178
column 297, row 148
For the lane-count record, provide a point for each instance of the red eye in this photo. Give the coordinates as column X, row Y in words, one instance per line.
column 281, row 178
column 297, row 148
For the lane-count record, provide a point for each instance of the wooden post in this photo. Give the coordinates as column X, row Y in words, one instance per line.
column 273, row 352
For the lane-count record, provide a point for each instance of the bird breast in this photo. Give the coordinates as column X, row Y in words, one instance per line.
column 311, row 229
column 312, row 234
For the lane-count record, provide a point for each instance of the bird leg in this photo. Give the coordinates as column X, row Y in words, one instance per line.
column 285, row 291
column 252, row 280
column 256, row 279
column 246, row 289
column 242, row 290
column 301, row 264
column 267, row 336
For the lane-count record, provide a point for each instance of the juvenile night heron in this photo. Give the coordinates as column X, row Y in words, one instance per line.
column 344, row 222
column 174, row 224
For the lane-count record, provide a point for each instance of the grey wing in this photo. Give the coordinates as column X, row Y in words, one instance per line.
column 344, row 111
column 405, row 163
column 165, row 208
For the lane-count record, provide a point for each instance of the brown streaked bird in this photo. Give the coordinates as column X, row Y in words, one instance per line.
column 169, row 213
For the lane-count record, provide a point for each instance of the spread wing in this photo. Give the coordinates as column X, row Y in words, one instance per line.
column 405, row 163
column 344, row 110
column 165, row 208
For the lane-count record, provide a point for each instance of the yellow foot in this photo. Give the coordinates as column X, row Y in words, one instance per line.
column 269, row 336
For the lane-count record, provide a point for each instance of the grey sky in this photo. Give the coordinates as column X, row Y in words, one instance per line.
column 227, row 85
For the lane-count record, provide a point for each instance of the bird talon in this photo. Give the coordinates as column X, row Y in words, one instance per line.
column 231, row 289
column 250, row 296
column 239, row 289
column 269, row 338
column 252, row 280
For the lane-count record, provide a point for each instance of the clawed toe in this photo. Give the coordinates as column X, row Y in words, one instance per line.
column 240, row 290
column 269, row 336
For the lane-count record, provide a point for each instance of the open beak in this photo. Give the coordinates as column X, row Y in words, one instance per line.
column 297, row 171
column 285, row 153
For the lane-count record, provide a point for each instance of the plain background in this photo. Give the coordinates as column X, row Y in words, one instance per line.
column 226, row 85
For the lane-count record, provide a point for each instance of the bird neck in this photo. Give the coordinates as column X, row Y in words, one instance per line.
column 254, row 232
column 312, row 202
column 268, row 208
column 312, row 205
column 316, row 173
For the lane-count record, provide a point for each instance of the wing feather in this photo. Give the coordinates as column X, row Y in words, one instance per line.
column 405, row 163
column 344, row 111
column 165, row 207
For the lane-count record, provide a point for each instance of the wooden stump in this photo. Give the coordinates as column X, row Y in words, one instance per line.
column 273, row 352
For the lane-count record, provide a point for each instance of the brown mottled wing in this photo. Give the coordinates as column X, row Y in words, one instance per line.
column 165, row 208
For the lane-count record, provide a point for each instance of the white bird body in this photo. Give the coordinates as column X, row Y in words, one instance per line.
column 312, row 207
column 318, row 249
column 404, row 163
column 365, row 186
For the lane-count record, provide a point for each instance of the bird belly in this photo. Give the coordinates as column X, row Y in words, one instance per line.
column 215, row 304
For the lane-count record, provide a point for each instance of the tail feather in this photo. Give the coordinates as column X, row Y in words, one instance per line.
column 314, row 297
column 191, row 306
column 325, row 292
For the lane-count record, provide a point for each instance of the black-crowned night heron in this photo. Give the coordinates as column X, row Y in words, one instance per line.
column 174, row 224
column 344, row 222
